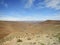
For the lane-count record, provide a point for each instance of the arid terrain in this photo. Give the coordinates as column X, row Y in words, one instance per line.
column 30, row 33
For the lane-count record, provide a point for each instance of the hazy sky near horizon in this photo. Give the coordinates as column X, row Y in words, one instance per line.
column 29, row 10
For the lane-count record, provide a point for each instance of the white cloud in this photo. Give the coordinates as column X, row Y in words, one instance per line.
column 4, row 4
column 30, row 18
column 29, row 3
column 40, row 5
column 9, row 18
column 55, row 16
column 22, row 18
column 53, row 4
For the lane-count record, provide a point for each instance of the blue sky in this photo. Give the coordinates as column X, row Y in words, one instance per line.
column 29, row 10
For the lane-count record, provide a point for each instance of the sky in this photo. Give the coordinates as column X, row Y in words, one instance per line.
column 29, row 10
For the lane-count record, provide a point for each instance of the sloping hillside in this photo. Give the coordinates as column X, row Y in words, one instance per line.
column 7, row 27
column 30, row 33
